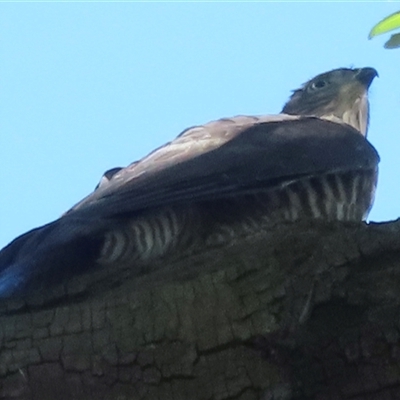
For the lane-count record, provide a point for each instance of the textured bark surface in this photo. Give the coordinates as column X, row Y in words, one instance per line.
column 307, row 311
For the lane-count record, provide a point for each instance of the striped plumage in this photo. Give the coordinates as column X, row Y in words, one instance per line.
column 213, row 183
column 343, row 197
column 150, row 236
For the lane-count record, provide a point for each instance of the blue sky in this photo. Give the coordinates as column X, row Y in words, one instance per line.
column 88, row 86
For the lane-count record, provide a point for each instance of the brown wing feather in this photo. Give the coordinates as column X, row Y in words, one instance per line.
column 190, row 143
column 231, row 158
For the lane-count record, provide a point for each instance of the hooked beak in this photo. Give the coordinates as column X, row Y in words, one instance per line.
column 366, row 75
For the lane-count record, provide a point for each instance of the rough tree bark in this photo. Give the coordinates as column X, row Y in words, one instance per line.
column 306, row 311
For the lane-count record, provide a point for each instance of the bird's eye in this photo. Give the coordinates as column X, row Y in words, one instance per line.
column 318, row 84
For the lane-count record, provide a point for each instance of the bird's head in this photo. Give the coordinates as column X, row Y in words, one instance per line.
column 341, row 93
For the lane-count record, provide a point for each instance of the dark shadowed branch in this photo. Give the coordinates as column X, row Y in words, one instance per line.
column 306, row 311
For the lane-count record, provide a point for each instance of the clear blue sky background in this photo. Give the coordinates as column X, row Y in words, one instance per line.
column 88, row 86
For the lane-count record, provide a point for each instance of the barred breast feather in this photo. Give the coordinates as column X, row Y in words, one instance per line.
column 149, row 236
column 342, row 196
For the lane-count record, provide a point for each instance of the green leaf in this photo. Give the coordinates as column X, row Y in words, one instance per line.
column 386, row 25
column 393, row 42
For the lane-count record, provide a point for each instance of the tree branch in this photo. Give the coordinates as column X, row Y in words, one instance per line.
column 306, row 311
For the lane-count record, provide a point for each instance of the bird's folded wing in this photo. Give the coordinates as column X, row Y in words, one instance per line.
column 228, row 158
column 190, row 143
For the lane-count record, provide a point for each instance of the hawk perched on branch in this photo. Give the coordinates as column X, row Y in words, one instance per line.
column 213, row 182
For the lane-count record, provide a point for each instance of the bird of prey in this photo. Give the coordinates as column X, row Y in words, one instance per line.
column 226, row 178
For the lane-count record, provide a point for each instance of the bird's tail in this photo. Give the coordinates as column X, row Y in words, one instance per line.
column 47, row 255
